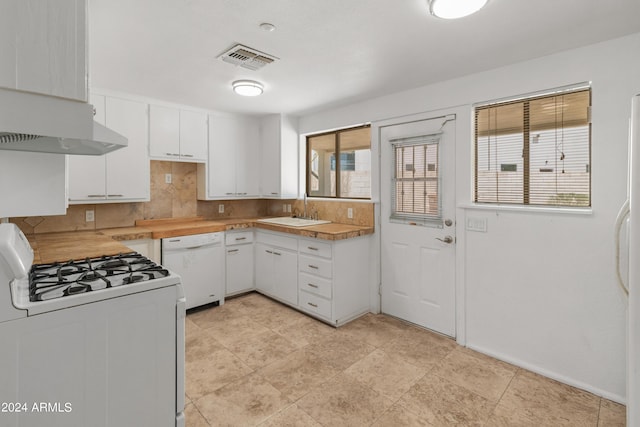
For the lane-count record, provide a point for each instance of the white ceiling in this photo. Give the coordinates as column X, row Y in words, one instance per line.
column 331, row 52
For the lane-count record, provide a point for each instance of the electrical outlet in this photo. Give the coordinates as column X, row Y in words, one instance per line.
column 220, row 208
column 89, row 215
column 349, row 212
column 167, row 178
column 289, row 208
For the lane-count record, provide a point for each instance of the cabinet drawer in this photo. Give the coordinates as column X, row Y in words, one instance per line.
column 315, row 304
column 238, row 238
column 277, row 240
column 316, row 266
column 315, row 285
column 316, row 248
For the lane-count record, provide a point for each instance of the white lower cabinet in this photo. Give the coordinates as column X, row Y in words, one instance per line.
column 331, row 279
column 240, row 261
column 277, row 266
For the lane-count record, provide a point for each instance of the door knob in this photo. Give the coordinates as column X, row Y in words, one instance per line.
column 447, row 239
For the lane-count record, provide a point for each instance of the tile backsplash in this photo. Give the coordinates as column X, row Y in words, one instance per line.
column 178, row 200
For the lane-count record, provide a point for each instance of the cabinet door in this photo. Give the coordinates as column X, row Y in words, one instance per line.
column 270, row 156
column 164, row 132
column 285, row 268
column 222, row 156
column 264, row 269
column 128, row 176
column 50, row 54
column 87, row 174
column 193, row 135
column 8, row 28
column 248, row 158
column 32, row 184
column 239, row 269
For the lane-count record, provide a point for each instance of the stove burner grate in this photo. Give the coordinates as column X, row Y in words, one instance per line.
column 57, row 280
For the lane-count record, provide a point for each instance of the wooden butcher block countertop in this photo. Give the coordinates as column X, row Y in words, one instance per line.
column 73, row 245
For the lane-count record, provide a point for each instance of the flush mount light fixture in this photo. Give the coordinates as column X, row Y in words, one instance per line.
column 265, row 26
column 453, row 9
column 247, row 87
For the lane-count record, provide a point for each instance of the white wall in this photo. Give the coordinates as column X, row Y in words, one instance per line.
column 538, row 288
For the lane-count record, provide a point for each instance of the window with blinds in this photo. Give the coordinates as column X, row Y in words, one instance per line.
column 535, row 151
column 416, row 181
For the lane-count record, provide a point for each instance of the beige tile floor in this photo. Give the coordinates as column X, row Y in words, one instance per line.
column 254, row 361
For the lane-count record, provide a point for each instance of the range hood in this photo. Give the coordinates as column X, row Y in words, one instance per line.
column 47, row 124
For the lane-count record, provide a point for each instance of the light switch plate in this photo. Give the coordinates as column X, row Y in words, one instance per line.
column 167, row 178
column 349, row 212
column 477, row 224
column 220, row 208
column 89, row 215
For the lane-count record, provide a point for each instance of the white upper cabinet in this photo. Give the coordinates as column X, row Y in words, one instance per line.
column 232, row 170
column 164, row 132
column 32, row 184
column 43, row 47
column 279, row 157
column 177, row 134
column 122, row 175
column 193, row 136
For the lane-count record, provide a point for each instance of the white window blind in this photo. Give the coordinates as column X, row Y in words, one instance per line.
column 535, row 151
column 416, row 179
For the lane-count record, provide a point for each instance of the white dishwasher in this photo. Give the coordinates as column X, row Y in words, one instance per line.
column 199, row 260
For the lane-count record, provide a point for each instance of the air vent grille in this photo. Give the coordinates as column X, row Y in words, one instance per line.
column 247, row 57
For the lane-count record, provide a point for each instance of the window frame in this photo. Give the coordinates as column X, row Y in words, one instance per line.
column 338, row 169
column 526, row 147
column 411, row 217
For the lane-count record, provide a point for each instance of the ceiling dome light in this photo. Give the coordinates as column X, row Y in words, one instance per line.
column 265, row 26
column 247, row 87
column 453, row 9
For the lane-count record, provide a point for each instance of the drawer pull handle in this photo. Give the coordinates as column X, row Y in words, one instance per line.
column 115, row 195
column 187, row 155
column 277, row 253
column 315, row 267
column 97, row 195
column 268, row 251
column 313, row 305
column 312, row 285
column 232, row 251
column 311, row 248
column 240, row 238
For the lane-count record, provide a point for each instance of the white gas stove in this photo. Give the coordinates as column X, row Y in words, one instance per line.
column 113, row 328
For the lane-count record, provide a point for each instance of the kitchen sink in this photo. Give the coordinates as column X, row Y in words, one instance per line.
column 293, row 222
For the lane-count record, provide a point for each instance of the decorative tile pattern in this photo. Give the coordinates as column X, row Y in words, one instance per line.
column 333, row 403
column 247, row 401
column 441, row 402
column 291, row 417
column 532, row 399
column 390, row 378
column 612, row 414
column 254, row 361
column 476, row 372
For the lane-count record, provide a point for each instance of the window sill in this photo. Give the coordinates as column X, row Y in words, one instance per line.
column 528, row 209
column 335, row 199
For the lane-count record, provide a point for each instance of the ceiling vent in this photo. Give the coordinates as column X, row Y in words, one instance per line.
column 246, row 57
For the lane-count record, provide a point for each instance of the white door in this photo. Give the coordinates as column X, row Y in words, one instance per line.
column 417, row 221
